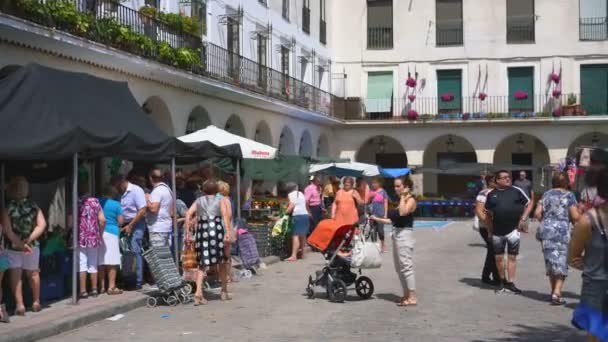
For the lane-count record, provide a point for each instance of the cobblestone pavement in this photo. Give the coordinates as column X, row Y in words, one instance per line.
column 453, row 306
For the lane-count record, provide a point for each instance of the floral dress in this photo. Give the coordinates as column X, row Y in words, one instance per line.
column 554, row 231
column 88, row 224
column 22, row 214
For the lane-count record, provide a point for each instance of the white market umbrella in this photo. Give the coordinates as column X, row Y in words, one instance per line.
column 249, row 148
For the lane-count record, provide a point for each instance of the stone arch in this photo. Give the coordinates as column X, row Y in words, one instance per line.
column 235, row 125
column 323, row 146
column 526, row 150
column 383, row 151
column 198, row 119
column 442, row 151
column 158, row 111
column 287, row 144
column 263, row 134
column 594, row 139
column 305, row 144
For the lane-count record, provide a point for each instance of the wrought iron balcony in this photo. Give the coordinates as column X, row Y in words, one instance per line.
column 379, row 38
column 593, row 29
column 520, row 30
column 449, row 33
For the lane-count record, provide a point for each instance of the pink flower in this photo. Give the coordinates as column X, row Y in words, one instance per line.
column 482, row 96
column 555, row 77
column 411, row 97
column 521, row 95
column 412, row 115
column 557, row 112
column 447, row 97
column 557, row 93
column 411, row 82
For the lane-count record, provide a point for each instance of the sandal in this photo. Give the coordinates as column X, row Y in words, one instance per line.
column 94, row 293
column 84, row 295
column 226, row 296
column 36, row 307
column 114, row 291
column 4, row 317
column 557, row 300
column 20, row 311
column 199, row 300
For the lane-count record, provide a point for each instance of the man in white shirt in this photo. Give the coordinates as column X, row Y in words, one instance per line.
column 159, row 211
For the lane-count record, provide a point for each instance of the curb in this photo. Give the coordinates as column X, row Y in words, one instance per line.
column 71, row 323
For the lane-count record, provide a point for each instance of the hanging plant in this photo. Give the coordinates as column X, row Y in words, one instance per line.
column 557, row 112
column 447, row 97
column 556, row 93
column 555, row 77
column 411, row 97
column 412, row 115
column 521, row 95
column 482, row 96
column 411, row 82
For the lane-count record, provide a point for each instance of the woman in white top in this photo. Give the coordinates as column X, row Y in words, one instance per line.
column 301, row 220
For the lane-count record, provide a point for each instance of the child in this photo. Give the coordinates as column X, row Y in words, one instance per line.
column 379, row 200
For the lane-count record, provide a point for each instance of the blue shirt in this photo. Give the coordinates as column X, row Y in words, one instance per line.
column 111, row 210
column 132, row 201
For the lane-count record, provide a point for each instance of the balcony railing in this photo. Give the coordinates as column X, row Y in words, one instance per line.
column 449, row 33
column 323, row 32
column 121, row 27
column 379, row 38
column 520, row 30
column 306, row 20
column 593, row 29
column 465, row 108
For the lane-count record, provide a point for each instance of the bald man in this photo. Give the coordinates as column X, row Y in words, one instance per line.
column 159, row 210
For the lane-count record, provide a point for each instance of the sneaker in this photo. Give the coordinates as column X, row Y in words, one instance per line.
column 500, row 287
column 512, row 288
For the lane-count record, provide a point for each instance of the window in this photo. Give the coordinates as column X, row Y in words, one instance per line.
column 449, row 23
column 198, row 11
column 379, row 94
column 152, row 3
column 380, row 24
column 520, row 21
column 593, row 22
column 286, row 10
column 233, row 46
column 306, row 16
column 594, row 89
column 262, row 54
column 323, row 23
column 449, row 91
column 521, row 89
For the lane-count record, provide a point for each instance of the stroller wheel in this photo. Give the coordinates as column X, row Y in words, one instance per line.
column 310, row 291
column 172, row 301
column 151, row 302
column 187, row 289
column 184, row 299
column 364, row 287
column 336, row 291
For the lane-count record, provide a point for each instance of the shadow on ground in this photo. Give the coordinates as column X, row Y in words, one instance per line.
column 554, row 333
column 389, row 297
column 480, row 245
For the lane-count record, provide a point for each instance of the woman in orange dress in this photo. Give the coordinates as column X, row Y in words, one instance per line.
column 344, row 208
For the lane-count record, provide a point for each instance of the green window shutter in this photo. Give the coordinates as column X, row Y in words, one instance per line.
column 594, row 89
column 521, row 79
column 379, row 92
column 449, row 81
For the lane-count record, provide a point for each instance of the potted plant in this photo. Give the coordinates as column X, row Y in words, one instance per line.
column 411, row 97
column 426, row 117
column 411, row 82
column 482, row 96
column 412, row 115
column 570, row 108
column 447, row 97
column 555, row 77
column 521, row 95
column 557, row 112
column 556, row 93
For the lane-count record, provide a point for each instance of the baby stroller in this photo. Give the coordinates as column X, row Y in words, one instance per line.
column 336, row 277
column 171, row 288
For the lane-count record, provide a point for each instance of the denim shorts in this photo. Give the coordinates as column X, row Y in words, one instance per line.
column 301, row 225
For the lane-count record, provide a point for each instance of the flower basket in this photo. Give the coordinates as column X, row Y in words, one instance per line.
column 447, row 97
column 568, row 110
column 557, row 112
column 482, row 96
column 556, row 93
column 412, row 115
column 411, row 82
column 411, row 97
column 521, row 95
column 555, row 77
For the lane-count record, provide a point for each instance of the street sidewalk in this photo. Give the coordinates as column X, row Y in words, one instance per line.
column 62, row 316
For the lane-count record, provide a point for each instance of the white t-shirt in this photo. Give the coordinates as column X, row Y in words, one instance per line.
column 161, row 222
column 481, row 197
column 298, row 199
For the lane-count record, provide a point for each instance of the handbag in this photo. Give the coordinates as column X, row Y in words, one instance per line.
column 189, row 259
column 365, row 254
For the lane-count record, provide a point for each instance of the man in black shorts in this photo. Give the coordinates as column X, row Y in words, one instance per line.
column 509, row 207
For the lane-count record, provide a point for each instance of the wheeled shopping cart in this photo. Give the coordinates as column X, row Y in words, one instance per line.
column 172, row 289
